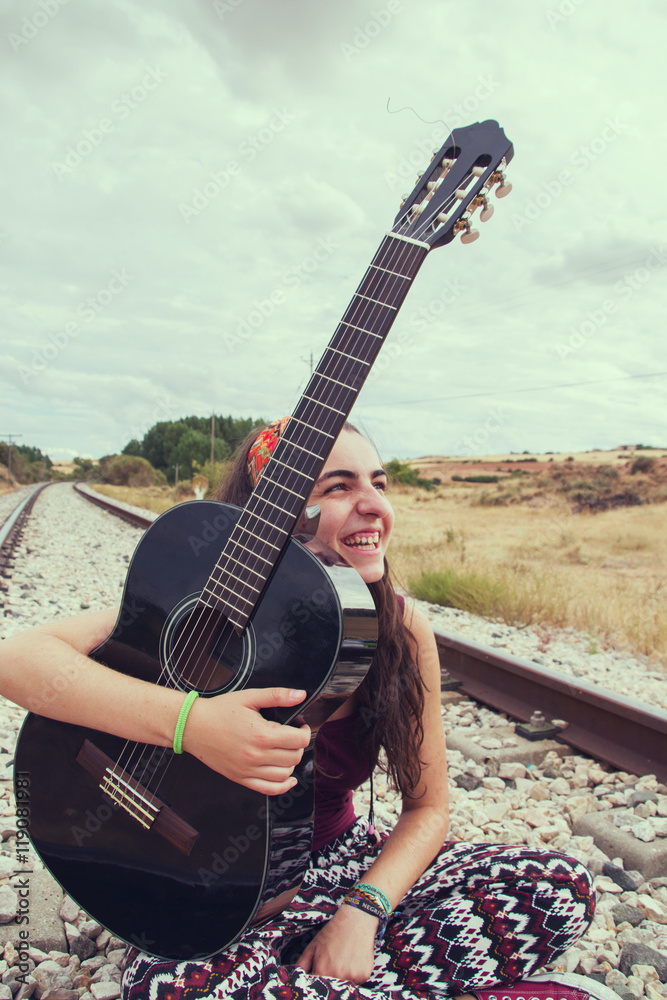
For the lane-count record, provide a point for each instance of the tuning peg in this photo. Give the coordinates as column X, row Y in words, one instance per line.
column 460, row 194
column 447, row 163
column 498, row 177
column 468, row 235
column 487, row 211
column 482, row 202
column 503, row 189
column 478, row 171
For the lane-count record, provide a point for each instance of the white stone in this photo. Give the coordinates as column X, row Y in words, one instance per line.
column 8, row 904
column 497, row 811
column 513, row 772
column 636, row 986
column 646, row 973
column 106, row 990
column 643, row 831
column 605, row 884
column 653, row 908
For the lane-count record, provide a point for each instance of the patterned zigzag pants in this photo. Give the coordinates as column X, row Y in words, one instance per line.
column 480, row 914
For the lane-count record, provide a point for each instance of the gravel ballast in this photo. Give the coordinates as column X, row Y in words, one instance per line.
column 74, row 557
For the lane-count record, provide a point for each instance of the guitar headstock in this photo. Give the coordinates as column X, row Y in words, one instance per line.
column 457, row 182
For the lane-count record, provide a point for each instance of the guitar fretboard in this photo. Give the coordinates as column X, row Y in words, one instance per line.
column 263, row 529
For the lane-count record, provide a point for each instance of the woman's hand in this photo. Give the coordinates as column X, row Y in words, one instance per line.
column 229, row 734
column 343, row 948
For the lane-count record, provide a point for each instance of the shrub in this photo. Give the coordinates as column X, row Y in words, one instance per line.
column 466, row 590
column 128, row 470
column 475, row 479
column 643, row 463
column 401, row 472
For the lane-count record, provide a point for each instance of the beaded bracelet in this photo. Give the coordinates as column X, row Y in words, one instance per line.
column 182, row 719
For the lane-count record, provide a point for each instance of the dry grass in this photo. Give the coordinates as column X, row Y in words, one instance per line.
column 602, row 573
column 155, row 498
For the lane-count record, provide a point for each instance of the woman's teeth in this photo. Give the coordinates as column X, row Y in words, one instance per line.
column 364, row 542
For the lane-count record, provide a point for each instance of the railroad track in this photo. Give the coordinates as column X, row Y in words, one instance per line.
column 11, row 530
column 621, row 731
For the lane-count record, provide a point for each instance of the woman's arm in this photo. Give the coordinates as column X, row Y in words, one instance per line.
column 47, row 670
column 344, row 947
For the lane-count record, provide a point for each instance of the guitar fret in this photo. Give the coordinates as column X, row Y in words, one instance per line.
column 318, row 402
column 282, row 486
column 291, row 467
column 221, row 600
column 245, row 566
column 293, row 444
column 252, row 553
column 277, row 506
column 244, row 583
column 377, row 267
column 375, row 301
column 308, row 426
column 263, row 519
column 344, row 322
column 351, row 357
column 329, row 379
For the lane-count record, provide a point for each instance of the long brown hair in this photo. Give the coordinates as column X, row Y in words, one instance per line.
column 391, row 697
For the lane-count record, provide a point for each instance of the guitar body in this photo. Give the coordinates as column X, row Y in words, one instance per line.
column 172, row 856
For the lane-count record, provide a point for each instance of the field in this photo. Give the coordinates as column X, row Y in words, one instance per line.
column 531, row 548
column 558, row 540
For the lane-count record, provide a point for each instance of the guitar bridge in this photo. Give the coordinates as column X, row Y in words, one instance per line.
column 142, row 805
column 125, row 791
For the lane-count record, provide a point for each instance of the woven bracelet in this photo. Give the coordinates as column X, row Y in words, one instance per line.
column 374, row 895
column 182, row 719
column 361, row 902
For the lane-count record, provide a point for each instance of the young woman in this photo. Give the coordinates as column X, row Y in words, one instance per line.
column 405, row 915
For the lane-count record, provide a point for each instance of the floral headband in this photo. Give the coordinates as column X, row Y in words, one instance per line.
column 262, row 448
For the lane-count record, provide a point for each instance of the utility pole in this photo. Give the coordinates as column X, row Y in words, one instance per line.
column 9, row 451
column 212, row 435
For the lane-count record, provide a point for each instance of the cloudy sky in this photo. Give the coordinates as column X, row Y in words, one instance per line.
column 193, row 190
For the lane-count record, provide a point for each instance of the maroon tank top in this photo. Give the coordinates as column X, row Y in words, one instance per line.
column 340, row 769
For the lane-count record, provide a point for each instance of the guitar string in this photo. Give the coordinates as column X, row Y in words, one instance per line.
column 356, row 342
column 347, row 336
column 302, row 437
column 347, row 367
column 305, row 434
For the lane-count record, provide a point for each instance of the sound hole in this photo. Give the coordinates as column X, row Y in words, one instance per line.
column 201, row 650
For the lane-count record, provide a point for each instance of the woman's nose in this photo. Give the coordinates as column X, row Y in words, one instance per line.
column 374, row 501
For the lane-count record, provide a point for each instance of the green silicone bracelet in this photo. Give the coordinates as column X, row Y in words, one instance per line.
column 182, row 719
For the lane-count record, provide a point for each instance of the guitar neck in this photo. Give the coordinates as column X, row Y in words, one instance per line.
column 272, row 512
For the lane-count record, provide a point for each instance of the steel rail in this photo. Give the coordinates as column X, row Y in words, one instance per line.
column 620, row 730
column 624, row 732
column 11, row 529
column 139, row 520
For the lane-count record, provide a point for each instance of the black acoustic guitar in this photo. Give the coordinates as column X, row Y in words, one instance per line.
column 165, row 852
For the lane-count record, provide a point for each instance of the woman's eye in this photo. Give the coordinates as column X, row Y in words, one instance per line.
column 383, row 486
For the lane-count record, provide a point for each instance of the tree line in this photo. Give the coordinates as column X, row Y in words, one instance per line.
column 26, row 463
column 186, row 443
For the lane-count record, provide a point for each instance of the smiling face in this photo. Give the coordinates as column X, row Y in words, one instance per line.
column 356, row 518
